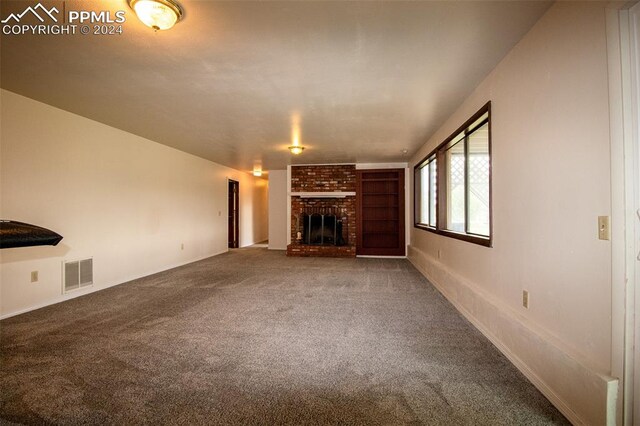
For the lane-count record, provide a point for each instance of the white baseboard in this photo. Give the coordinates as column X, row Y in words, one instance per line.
column 94, row 288
column 366, row 256
column 584, row 396
column 252, row 244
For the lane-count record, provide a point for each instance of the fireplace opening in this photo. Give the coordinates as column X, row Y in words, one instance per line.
column 322, row 229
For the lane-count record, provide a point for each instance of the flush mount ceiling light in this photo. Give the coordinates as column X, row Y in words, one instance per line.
column 296, row 149
column 157, row 14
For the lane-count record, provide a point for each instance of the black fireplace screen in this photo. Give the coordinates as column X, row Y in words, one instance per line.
column 321, row 228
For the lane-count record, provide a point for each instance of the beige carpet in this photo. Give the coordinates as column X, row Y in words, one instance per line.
column 254, row 337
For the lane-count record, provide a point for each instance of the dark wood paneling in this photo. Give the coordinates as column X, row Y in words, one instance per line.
column 380, row 212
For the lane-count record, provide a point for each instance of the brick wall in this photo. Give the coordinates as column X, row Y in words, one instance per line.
column 323, row 178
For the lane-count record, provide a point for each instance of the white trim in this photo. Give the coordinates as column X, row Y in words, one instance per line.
column 360, row 166
column 624, row 202
column 373, row 166
column 288, row 205
column 94, row 288
column 249, row 244
column 616, row 136
column 613, row 387
column 408, row 208
column 322, row 164
column 367, row 256
column 627, row 167
column 334, row 194
column 634, row 226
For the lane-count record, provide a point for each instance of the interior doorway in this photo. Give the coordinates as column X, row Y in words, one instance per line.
column 234, row 213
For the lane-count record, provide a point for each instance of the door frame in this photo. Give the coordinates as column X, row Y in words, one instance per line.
column 402, row 188
column 623, row 51
column 634, row 27
column 236, row 227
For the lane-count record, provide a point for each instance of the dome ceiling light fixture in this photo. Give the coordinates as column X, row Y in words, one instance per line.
column 157, row 14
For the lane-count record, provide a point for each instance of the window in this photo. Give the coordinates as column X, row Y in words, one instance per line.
column 454, row 199
column 425, row 177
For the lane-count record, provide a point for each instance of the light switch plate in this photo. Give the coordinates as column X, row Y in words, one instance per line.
column 34, row 276
column 604, row 231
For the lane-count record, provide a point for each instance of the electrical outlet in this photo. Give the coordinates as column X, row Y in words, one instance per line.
column 603, row 228
column 525, row 299
column 34, row 276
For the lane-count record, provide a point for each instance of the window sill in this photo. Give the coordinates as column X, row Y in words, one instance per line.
column 475, row 239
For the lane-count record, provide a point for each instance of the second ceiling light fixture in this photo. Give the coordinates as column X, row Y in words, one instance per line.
column 157, row 14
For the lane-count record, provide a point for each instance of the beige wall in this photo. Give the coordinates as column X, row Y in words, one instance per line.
column 551, row 180
column 278, row 209
column 125, row 201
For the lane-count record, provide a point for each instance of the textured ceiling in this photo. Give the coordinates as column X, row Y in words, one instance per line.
column 366, row 79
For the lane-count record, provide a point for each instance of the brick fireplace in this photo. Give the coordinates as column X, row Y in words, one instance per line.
column 323, row 194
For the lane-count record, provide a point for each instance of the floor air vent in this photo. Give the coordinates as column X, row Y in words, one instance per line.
column 77, row 274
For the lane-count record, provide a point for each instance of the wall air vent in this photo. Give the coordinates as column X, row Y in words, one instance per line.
column 77, row 274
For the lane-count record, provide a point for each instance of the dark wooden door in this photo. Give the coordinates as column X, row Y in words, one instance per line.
column 380, row 212
column 234, row 213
